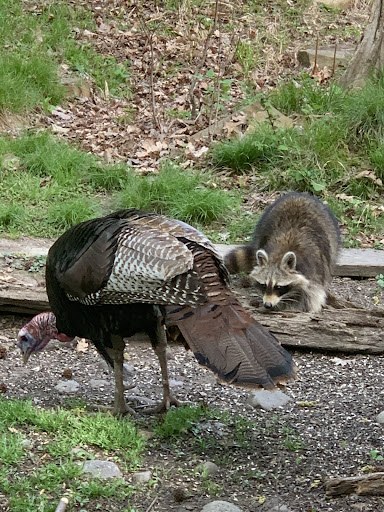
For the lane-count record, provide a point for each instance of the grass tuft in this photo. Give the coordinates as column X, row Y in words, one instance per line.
column 178, row 194
column 39, row 486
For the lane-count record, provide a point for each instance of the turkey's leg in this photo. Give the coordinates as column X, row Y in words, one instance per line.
column 159, row 344
column 120, row 407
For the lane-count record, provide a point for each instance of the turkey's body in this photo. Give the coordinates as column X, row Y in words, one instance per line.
column 130, row 271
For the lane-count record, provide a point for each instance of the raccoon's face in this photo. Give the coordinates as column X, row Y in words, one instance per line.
column 279, row 284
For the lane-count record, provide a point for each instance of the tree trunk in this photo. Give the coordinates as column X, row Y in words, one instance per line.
column 370, row 52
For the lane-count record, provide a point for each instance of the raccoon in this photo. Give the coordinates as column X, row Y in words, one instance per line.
column 292, row 253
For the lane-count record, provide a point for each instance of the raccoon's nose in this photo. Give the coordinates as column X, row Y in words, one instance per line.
column 268, row 305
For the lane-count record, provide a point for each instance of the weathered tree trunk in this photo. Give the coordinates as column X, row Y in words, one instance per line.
column 335, row 330
column 370, row 52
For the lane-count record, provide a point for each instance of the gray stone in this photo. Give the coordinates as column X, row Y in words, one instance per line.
column 27, row 444
column 220, row 506
column 268, row 400
column 128, row 370
column 102, row 469
column 274, row 505
column 380, row 417
column 98, row 383
column 142, row 400
column 280, row 508
column 141, row 477
column 104, row 366
column 173, row 383
column 324, row 57
column 67, row 386
column 209, row 468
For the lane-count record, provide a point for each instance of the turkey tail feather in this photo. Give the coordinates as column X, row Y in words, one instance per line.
column 228, row 341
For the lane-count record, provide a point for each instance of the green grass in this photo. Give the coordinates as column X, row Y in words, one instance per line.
column 28, row 79
column 335, row 149
column 48, row 186
column 306, row 96
column 39, row 486
column 182, row 420
column 27, row 82
column 179, row 194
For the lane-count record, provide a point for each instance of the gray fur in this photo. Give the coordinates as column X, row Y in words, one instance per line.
column 294, row 249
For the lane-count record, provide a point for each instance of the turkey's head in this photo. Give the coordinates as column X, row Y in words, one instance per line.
column 36, row 334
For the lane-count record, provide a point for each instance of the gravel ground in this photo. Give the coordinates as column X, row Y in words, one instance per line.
column 328, row 429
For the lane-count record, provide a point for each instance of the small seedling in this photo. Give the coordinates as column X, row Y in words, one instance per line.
column 375, row 455
column 380, row 280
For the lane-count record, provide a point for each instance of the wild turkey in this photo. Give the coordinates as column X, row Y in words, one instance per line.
column 133, row 271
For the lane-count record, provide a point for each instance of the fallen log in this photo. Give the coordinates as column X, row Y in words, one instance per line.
column 372, row 484
column 337, row 330
column 22, row 293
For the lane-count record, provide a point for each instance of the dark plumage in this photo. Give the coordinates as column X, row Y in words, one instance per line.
column 132, row 271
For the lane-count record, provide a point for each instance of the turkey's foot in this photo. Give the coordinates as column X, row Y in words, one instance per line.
column 166, row 403
column 122, row 411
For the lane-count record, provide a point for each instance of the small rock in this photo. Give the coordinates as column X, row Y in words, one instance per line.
column 102, row 469
column 98, row 383
column 209, row 468
column 67, row 373
column 141, row 477
column 220, row 506
column 128, row 371
column 104, row 366
column 268, row 400
column 279, row 508
column 380, row 417
column 173, row 383
column 274, row 505
column 67, row 386
column 180, row 494
column 27, row 444
column 143, row 400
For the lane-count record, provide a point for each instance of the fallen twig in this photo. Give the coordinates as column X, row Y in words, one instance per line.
column 149, row 36
column 62, row 505
column 152, row 504
column 202, row 62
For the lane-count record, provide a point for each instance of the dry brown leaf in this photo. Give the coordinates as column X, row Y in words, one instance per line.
column 232, row 127
column 345, row 197
column 371, row 176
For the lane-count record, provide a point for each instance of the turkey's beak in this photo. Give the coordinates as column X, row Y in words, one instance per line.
column 26, row 343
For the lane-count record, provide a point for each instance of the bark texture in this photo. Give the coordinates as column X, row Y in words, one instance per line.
column 370, row 52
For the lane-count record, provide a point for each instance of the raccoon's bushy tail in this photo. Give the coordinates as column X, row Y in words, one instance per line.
column 228, row 341
column 241, row 259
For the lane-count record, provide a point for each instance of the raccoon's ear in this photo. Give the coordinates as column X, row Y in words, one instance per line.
column 261, row 257
column 289, row 260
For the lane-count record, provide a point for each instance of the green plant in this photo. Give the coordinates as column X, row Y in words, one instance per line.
column 247, row 55
column 376, row 455
column 212, row 488
column 37, row 487
column 181, row 420
column 380, row 280
column 179, row 194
